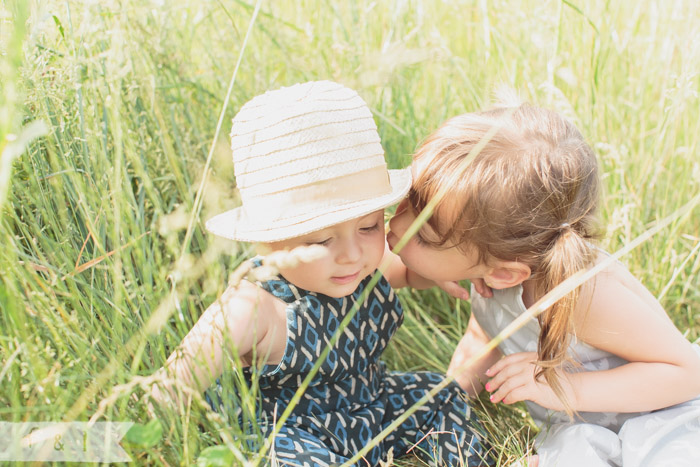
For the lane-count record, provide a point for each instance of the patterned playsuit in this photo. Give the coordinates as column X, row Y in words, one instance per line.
column 352, row 398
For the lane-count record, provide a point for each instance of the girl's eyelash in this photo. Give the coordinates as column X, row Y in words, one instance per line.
column 370, row 229
column 419, row 239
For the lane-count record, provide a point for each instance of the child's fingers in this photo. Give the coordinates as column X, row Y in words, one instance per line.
column 482, row 288
column 454, row 289
column 511, row 390
column 510, row 360
column 508, row 375
column 512, row 384
column 502, row 377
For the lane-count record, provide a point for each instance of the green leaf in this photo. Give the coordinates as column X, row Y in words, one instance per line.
column 216, row 456
column 145, row 436
column 60, row 26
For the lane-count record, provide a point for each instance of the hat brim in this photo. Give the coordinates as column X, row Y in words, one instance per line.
column 235, row 225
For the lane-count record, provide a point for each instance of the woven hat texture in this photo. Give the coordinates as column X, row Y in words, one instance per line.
column 306, row 157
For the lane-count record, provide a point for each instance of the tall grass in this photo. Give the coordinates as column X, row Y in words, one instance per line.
column 94, row 215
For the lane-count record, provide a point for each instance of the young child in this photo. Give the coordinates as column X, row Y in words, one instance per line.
column 520, row 219
column 310, row 170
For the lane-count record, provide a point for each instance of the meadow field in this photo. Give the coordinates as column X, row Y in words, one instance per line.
column 114, row 118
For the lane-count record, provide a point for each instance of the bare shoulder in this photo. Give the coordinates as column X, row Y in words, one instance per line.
column 616, row 284
column 614, row 305
column 248, row 301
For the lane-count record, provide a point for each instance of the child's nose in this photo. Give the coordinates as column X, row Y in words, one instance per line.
column 351, row 252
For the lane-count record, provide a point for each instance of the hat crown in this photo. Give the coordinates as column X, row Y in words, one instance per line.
column 302, row 134
column 303, row 156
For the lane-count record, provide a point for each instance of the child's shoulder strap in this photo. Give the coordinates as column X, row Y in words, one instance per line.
column 277, row 285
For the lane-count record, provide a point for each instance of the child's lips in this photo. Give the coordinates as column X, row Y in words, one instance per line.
column 345, row 279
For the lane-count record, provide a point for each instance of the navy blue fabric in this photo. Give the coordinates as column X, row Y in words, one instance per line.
column 352, row 397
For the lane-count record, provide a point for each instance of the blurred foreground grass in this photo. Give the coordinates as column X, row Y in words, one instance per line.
column 108, row 120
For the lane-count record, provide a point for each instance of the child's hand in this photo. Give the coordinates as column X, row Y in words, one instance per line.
column 481, row 287
column 457, row 291
column 454, row 289
column 470, row 376
column 513, row 380
column 464, row 376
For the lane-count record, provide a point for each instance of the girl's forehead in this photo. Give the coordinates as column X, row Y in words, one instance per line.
column 446, row 213
column 429, row 180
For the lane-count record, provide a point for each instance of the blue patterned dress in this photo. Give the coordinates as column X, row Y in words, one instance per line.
column 352, row 397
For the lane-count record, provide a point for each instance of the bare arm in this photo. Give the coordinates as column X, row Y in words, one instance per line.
column 472, row 378
column 236, row 321
column 625, row 320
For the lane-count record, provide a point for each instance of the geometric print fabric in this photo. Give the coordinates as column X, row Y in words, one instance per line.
column 352, row 397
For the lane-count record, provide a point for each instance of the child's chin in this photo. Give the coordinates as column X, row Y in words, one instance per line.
column 342, row 290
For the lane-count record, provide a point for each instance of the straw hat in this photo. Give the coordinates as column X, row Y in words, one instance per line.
column 306, row 157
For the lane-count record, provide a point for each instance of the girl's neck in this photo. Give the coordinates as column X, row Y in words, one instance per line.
column 529, row 293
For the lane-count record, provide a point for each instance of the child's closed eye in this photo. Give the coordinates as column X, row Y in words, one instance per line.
column 371, row 228
column 323, row 242
column 420, row 240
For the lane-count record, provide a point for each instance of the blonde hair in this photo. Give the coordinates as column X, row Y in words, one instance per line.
column 530, row 195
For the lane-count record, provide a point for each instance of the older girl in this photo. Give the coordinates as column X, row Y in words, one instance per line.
column 521, row 218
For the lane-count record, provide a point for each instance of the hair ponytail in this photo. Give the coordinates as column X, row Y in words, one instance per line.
column 570, row 253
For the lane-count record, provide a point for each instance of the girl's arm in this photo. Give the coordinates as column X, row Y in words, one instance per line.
column 237, row 321
column 472, row 378
column 626, row 320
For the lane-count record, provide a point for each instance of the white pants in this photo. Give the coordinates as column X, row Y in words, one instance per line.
column 668, row 437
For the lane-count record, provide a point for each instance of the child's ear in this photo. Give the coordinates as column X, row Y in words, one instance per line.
column 507, row 274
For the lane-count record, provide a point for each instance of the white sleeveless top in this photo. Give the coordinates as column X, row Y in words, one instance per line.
column 494, row 314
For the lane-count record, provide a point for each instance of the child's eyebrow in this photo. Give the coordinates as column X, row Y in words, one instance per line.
column 318, row 235
column 369, row 216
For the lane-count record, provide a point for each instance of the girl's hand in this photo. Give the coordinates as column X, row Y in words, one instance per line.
column 481, row 287
column 513, row 380
column 457, row 291
column 471, row 377
column 454, row 289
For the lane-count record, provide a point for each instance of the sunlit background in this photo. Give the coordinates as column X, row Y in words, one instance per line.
column 113, row 135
